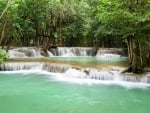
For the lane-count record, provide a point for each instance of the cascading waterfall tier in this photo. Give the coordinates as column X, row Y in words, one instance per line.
column 106, row 75
column 73, row 51
column 56, row 68
column 111, row 52
column 20, row 66
column 70, row 72
column 87, row 51
column 21, row 52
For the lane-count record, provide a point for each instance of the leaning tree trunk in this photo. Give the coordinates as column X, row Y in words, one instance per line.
column 136, row 62
column 3, row 32
column 148, row 58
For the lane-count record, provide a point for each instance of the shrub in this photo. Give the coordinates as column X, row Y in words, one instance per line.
column 3, row 55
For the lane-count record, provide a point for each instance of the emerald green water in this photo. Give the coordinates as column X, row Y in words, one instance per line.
column 39, row 93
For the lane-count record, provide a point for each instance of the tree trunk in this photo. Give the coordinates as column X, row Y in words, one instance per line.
column 136, row 62
column 148, row 58
column 3, row 32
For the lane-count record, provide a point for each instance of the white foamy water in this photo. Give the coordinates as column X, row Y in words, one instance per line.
column 24, row 52
column 89, row 51
column 82, row 81
column 78, row 80
column 109, row 56
column 82, row 76
column 73, row 51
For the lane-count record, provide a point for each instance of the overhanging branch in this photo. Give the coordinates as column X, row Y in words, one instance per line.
column 6, row 8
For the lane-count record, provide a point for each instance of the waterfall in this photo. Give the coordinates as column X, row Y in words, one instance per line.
column 129, row 78
column 56, row 68
column 111, row 52
column 109, row 56
column 105, row 75
column 24, row 52
column 20, row 66
column 73, row 73
column 73, row 51
column 89, row 51
column 100, row 75
column 65, row 51
column 70, row 72
column 89, row 74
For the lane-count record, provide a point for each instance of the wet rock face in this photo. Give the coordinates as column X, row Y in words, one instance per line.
column 87, row 71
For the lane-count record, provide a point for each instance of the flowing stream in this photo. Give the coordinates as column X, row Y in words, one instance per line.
column 40, row 92
column 71, row 80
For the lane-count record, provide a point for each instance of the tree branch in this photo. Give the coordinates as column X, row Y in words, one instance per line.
column 6, row 8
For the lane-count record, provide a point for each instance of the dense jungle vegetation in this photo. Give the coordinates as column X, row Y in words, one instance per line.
column 89, row 23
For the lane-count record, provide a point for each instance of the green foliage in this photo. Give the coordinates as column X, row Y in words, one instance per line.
column 98, row 23
column 124, row 18
column 73, row 22
column 3, row 55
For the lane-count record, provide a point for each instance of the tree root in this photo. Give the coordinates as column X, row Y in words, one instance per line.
column 127, row 70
